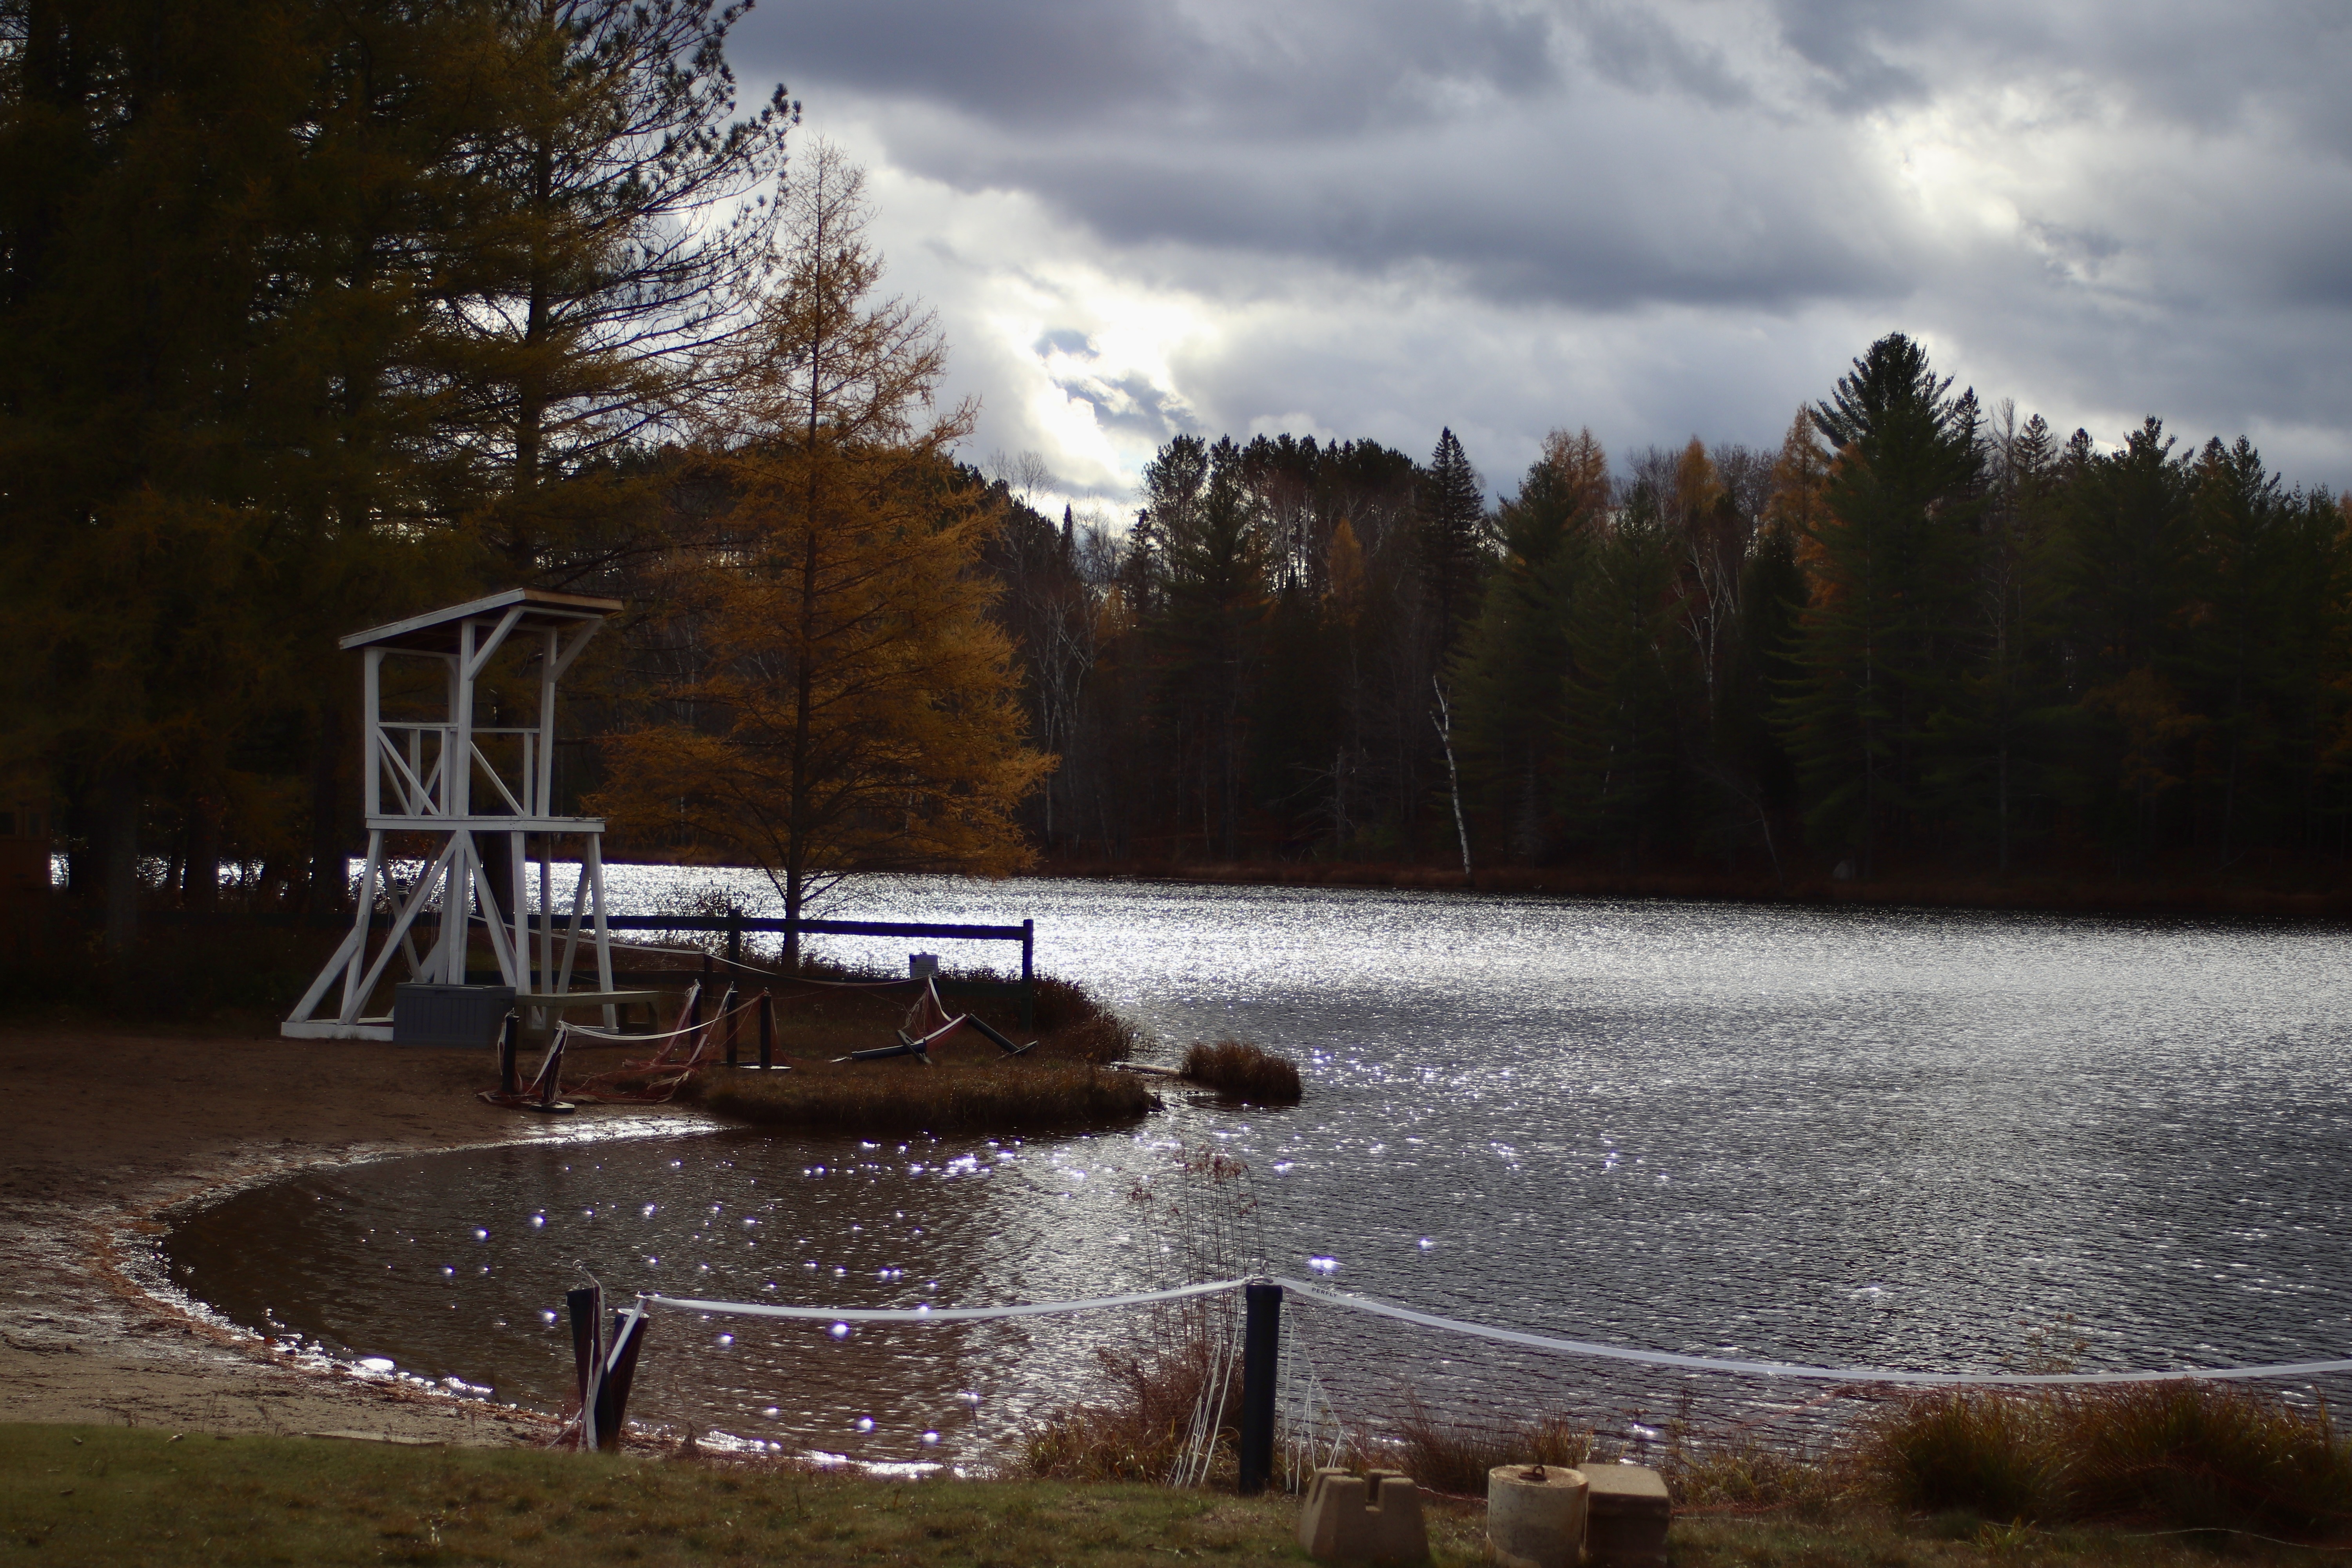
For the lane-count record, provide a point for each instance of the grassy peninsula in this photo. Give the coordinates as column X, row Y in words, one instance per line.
column 1062, row 1080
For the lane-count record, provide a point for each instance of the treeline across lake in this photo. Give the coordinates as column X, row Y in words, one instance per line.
column 1921, row 639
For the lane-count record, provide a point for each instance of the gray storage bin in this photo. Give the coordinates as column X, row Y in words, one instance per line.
column 468, row 1016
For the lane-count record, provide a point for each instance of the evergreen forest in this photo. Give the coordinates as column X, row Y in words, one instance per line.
column 1919, row 640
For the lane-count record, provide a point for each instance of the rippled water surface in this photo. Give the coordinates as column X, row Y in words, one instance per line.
column 1918, row 1139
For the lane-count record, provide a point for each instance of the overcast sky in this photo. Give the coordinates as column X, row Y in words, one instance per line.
column 1377, row 217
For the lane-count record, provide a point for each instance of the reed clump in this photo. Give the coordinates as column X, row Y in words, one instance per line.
column 2184, row 1454
column 907, row 1097
column 1137, row 1431
column 1244, row 1071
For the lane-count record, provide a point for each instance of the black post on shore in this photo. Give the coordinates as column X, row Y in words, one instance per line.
column 1029, row 974
column 1261, row 1348
column 734, row 937
column 510, row 1075
column 620, row 1372
column 586, row 1306
column 767, row 1030
column 729, row 1021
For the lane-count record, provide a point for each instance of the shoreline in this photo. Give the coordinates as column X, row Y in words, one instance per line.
column 2037, row 895
column 115, row 1130
column 2047, row 894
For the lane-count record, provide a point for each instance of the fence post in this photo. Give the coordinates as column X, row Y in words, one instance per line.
column 509, row 1077
column 1028, row 975
column 767, row 1030
column 620, row 1370
column 586, row 1306
column 734, row 936
column 1261, row 1347
column 727, row 1016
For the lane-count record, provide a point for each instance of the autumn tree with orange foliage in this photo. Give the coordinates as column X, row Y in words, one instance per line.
column 842, row 702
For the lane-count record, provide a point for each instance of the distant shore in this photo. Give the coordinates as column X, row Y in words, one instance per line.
column 2151, row 897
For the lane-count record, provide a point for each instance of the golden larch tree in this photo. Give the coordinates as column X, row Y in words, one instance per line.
column 845, row 704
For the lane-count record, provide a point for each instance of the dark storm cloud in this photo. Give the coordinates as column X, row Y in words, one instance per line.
column 1841, row 39
column 1072, row 67
column 1574, row 153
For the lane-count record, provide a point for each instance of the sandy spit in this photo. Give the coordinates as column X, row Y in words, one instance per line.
column 105, row 1132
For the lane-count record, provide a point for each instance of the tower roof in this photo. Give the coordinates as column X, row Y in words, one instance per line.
column 437, row 630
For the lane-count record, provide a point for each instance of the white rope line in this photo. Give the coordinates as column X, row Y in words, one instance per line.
column 938, row 1314
column 1784, row 1368
column 929, row 1314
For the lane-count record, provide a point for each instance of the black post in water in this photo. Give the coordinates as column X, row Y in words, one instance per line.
column 1028, row 975
column 509, row 1077
column 767, row 1030
column 1261, row 1348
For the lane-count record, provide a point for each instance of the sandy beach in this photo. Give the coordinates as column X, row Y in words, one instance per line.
column 108, row 1131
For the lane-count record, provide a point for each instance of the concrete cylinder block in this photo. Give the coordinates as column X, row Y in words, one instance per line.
column 1534, row 1515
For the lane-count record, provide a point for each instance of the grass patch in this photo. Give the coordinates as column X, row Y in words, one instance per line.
column 904, row 1096
column 109, row 1494
column 1244, row 1071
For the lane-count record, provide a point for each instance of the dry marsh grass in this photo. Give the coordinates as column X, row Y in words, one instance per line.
column 1245, row 1072
column 1138, row 1430
column 1454, row 1456
column 2183, row 1454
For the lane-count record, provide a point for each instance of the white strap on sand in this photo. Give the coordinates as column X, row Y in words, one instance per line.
column 1784, row 1369
column 614, row 1037
column 938, row 1314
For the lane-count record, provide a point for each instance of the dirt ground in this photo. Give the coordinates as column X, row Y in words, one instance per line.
column 106, row 1131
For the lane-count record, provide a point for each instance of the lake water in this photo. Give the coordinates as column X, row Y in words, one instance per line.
column 1932, row 1139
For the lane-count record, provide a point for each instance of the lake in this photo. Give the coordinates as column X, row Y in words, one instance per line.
column 1923, row 1139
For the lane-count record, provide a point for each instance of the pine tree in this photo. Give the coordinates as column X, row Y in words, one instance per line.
column 1890, row 560
column 616, row 232
column 2122, row 570
column 1453, row 538
column 1514, row 670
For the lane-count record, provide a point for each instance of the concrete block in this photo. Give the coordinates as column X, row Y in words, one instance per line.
column 1373, row 1518
column 468, row 1016
column 1627, row 1511
column 1534, row 1515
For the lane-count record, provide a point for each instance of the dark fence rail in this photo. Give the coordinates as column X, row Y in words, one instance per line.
column 733, row 923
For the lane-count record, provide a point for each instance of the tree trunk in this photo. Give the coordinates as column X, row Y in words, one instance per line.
column 118, row 804
column 330, row 867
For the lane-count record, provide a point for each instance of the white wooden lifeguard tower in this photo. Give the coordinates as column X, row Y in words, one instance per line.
column 465, row 784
